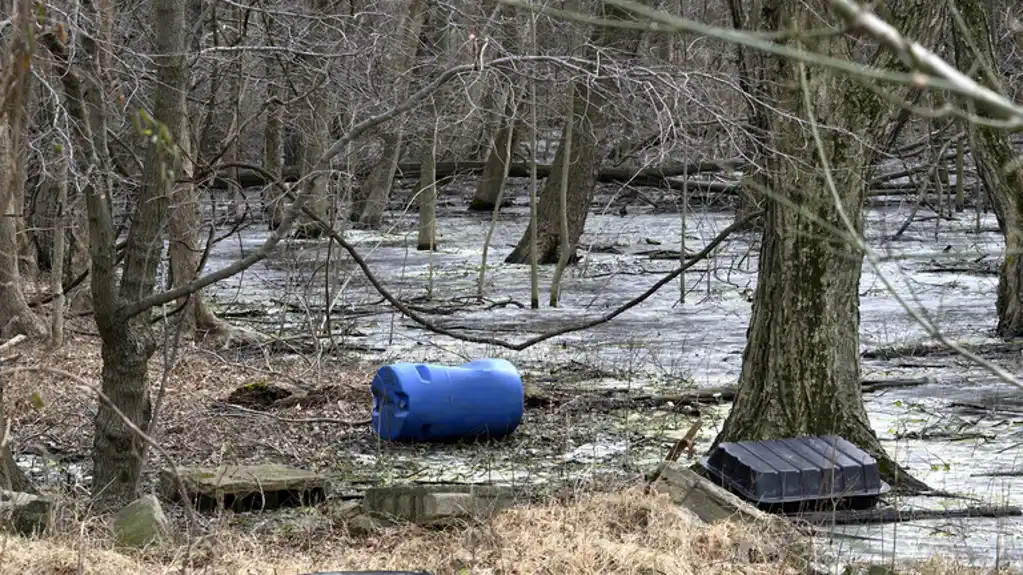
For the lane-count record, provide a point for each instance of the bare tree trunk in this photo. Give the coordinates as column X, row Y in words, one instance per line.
column 238, row 204
column 801, row 367
column 57, row 269
column 582, row 171
column 273, row 206
column 183, row 227
column 371, row 199
column 12, row 478
column 128, row 343
column 491, row 181
column 752, row 85
column 427, row 236
column 15, row 315
column 992, row 152
column 374, row 192
column 588, row 116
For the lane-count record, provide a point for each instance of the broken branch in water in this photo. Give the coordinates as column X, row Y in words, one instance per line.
column 891, row 515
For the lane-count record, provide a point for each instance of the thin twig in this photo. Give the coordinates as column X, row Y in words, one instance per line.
column 331, row 420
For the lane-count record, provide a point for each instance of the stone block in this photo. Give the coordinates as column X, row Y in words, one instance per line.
column 141, row 522
column 434, row 504
column 25, row 513
column 245, row 487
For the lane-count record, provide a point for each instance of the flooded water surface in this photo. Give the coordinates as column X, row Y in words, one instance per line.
column 958, row 432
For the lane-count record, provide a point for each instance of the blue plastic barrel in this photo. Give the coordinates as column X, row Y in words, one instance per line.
column 425, row 402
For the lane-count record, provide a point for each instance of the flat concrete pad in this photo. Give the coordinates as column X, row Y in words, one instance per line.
column 245, row 487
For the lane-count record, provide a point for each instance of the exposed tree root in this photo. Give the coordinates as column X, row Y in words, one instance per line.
column 222, row 334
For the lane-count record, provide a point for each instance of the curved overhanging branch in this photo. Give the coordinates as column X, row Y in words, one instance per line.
column 914, row 55
column 421, row 320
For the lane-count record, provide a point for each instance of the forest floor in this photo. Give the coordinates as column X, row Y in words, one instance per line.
column 583, row 524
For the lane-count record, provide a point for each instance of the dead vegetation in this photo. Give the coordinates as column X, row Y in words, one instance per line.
column 630, row 532
column 50, row 415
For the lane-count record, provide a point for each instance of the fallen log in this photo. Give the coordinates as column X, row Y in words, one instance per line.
column 653, row 176
column 612, row 398
column 892, row 515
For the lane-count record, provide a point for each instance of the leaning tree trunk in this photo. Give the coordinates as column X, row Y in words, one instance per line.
column 128, row 342
column 587, row 134
column 801, row 371
column 588, row 117
column 491, row 181
column 371, row 198
column 371, row 201
column 992, row 152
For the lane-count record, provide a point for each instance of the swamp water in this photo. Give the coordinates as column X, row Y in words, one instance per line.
column 663, row 346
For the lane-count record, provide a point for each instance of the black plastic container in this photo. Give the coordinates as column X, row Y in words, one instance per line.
column 798, row 474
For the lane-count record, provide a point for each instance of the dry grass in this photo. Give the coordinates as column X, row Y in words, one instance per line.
column 191, row 428
column 625, row 533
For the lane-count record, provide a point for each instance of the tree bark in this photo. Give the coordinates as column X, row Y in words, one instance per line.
column 492, row 180
column 15, row 315
column 239, row 206
column 273, row 205
column 427, row 233
column 371, row 198
column 12, row 478
column 752, row 85
column 316, row 135
column 589, row 110
column 992, row 151
column 128, row 343
column 801, row 371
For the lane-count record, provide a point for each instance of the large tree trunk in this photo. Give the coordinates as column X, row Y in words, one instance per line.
column 12, row 478
column 588, row 115
column 992, row 151
column 801, row 371
column 128, row 343
column 15, row 315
